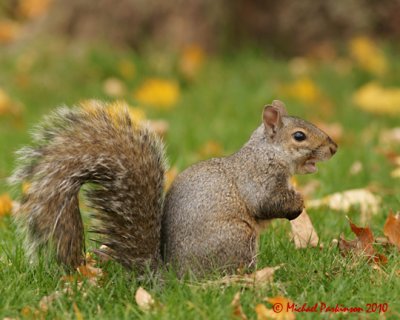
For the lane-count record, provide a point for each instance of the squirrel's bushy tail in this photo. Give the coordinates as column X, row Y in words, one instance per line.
column 97, row 144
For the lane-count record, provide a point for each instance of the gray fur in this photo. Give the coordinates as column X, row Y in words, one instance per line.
column 74, row 147
column 212, row 214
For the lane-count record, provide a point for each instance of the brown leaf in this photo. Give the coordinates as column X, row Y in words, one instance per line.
column 303, row 232
column 280, row 309
column 392, row 229
column 365, row 237
column 362, row 246
column 237, row 307
column 143, row 299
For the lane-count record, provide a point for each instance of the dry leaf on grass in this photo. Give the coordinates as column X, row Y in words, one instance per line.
column 280, row 309
column 362, row 246
column 303, row 232
column 258, row 278
column 237, row 307
column 144, row 299
column 392, row 229
column 346, row 200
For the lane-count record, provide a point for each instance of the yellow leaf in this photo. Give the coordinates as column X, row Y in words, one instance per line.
column 9, row 31
column 376, row 99
column 5, row 204
column 33, row 8
column 191, row 61
column 368, row 56
column 159, row 93
column 304, row 90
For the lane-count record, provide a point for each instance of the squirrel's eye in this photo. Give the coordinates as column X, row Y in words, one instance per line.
column 299, row 136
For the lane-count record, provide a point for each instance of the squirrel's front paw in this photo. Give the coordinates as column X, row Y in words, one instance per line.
column 297, row 206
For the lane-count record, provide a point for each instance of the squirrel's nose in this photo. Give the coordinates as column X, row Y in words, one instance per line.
column 333, row 146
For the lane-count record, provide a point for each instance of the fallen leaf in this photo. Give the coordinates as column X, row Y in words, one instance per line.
column 143, row 299
column 280, row 309
column 159, row 93
column 368, row 56
column 392, row 229
column 237, row 307
column 362, row 246
column 365, row 237
column 6, row 204
column 346, row 200
column 258, row 278
column 374, row 98
column 303, row 232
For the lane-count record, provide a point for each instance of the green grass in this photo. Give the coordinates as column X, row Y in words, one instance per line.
column 222, row 104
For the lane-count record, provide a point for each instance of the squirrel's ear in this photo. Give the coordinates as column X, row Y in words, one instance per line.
column 272, row 119
column 281, row 106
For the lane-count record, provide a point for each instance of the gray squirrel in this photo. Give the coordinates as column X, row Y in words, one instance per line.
column 210, row 218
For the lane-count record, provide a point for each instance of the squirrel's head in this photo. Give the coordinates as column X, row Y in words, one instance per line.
column 302, row 143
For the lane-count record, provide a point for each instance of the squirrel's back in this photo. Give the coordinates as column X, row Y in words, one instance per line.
column 100, row 145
